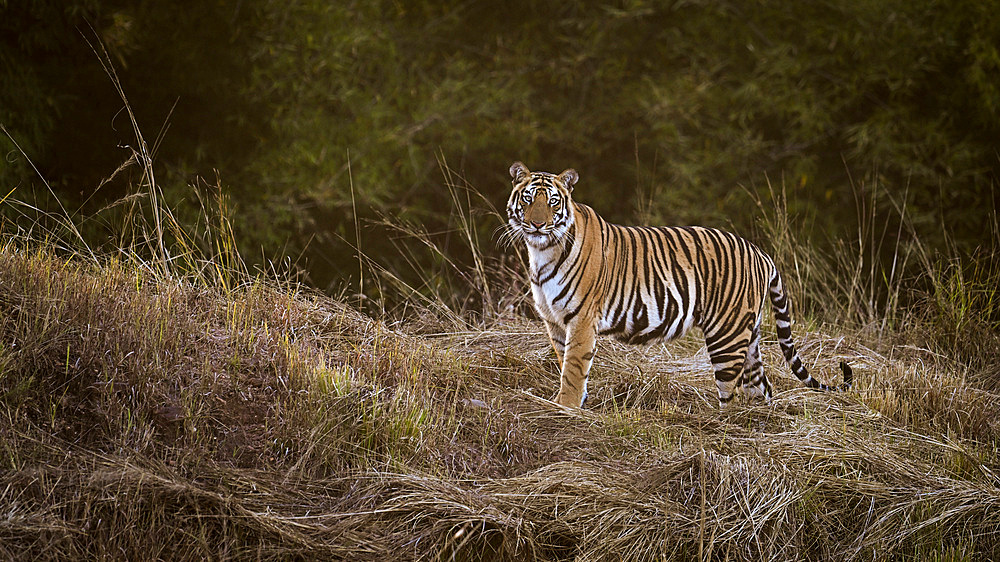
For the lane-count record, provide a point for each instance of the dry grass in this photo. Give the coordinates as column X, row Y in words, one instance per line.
column 150, row 417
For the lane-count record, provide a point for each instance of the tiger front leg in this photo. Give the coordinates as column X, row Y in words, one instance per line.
column 578, row 356
column 557, row 335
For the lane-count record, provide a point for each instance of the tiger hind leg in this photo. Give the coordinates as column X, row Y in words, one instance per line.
column 755, row 383
column 728, row 353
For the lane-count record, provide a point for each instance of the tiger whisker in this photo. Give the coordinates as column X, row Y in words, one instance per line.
column 508, row 236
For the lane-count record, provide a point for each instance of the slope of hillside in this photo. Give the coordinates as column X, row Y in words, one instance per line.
column 146, row 417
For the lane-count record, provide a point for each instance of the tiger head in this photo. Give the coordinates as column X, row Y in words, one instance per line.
column 540, row 208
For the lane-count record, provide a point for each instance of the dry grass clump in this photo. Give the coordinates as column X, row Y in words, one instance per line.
column 150, row 417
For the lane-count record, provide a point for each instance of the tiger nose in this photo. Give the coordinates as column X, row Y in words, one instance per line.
column 537, row 224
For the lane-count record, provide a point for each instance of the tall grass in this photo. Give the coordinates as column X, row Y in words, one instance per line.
column 465, row 277
column 889, row 283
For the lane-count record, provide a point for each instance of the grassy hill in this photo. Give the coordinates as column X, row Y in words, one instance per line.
column 154, row 416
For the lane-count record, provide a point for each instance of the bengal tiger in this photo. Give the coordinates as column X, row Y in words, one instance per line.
column 642, row 284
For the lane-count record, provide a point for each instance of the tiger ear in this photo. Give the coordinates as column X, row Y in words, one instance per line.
column 518, row 171
column 569, row 178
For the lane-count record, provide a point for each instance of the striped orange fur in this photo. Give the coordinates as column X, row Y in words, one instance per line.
column 641, row 284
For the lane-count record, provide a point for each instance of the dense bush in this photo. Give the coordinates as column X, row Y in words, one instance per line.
column 314, row 113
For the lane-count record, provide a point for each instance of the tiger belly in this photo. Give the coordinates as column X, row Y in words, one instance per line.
column 647, row 319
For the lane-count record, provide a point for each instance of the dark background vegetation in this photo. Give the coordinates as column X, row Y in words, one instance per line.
column 309, row 114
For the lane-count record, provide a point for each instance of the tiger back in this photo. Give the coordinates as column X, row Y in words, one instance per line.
column 642, row 284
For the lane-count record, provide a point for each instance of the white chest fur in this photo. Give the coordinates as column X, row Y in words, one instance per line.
column 548, row 285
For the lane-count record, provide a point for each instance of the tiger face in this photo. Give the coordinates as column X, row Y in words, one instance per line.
column 540, row 208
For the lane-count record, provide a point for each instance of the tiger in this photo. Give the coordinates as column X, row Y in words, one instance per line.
column 643, row 284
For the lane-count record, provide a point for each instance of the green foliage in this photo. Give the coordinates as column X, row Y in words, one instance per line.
column 320, row 115
column 28, row 109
